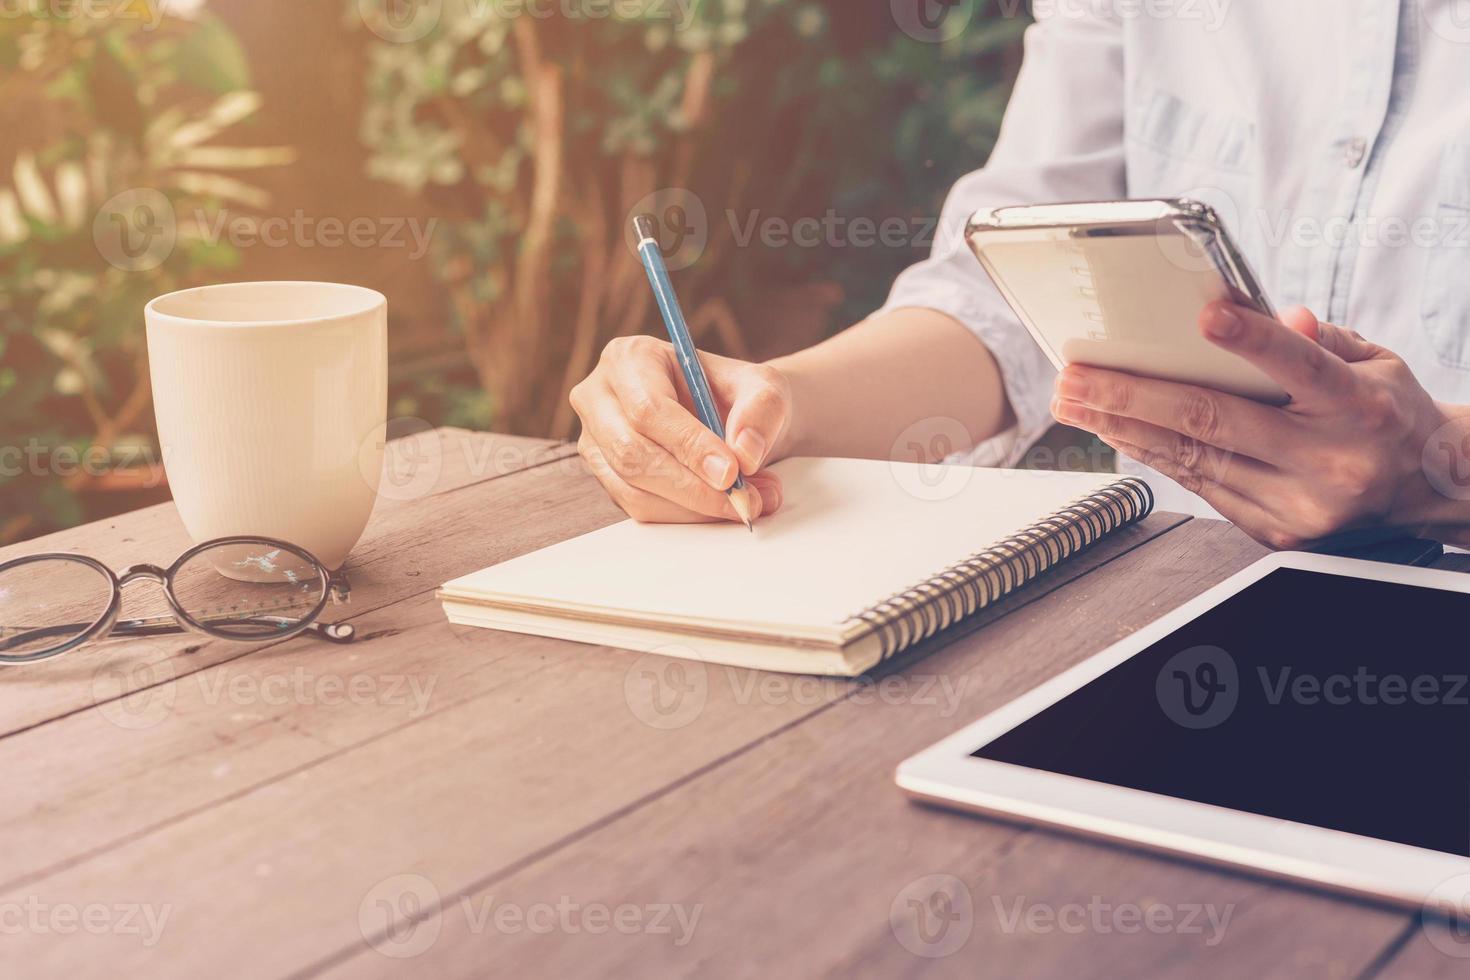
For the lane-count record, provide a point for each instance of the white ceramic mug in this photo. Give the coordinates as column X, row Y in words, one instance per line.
column 271, row 400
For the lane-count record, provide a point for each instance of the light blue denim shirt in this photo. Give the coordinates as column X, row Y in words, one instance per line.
column 1333, row 136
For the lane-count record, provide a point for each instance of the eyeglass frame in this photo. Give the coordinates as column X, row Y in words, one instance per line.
column 335, row 589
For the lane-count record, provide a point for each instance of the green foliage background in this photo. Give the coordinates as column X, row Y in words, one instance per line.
column 814, row 105
column 119, row 103
column 819, row 104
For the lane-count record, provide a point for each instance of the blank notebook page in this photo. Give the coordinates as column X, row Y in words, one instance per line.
column 850, row 534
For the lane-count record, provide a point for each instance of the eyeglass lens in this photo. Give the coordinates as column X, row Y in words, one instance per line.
column 248, row 590
column 47, row 604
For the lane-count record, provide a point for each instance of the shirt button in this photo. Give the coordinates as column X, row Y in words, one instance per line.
column 1353, row 152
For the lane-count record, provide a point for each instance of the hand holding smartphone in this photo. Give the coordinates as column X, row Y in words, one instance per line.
column 1120, row 285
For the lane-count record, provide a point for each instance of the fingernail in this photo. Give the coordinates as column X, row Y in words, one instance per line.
column 770, row 496
column 1065, row 411
column 1223, row 323
column 752, row 449
column 1073, row 386
column 717, row 470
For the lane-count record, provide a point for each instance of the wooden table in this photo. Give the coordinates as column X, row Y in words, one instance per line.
column 450, row 802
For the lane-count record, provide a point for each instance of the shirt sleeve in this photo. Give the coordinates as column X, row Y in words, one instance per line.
column 1061, row 140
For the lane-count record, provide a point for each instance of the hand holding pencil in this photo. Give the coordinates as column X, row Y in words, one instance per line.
column 643, row 438
column 694, row 376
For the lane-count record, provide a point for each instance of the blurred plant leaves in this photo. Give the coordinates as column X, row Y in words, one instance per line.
column 212, row 59
column 141, row 107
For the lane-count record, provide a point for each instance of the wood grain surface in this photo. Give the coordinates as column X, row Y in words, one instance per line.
column 442, row 801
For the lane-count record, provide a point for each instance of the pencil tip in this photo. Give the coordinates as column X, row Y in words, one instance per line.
column 740, row 500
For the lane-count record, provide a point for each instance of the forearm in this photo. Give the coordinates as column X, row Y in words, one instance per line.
column 862, row 392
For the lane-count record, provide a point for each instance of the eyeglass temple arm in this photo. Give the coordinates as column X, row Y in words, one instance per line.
column 168, row 626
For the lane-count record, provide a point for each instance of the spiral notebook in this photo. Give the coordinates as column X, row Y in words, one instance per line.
column 864, row 560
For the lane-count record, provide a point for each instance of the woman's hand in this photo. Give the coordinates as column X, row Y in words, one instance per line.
column 654, row 456
column 1347, row 452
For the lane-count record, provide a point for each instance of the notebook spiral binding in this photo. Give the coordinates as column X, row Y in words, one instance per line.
column 915, row 614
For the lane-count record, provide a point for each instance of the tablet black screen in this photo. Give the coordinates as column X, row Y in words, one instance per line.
column 1323, row 699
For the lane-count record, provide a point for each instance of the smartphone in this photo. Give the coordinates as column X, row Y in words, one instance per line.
column 1121, row 284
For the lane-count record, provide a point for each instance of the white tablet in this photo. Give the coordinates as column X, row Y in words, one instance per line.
column 1308, row 718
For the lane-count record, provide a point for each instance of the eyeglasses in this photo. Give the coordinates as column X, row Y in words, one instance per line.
column 238, row 588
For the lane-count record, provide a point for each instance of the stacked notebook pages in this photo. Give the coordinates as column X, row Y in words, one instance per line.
column 865, row 560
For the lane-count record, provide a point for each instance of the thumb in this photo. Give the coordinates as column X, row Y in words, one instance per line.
column 759, row 397
column 1346, row 344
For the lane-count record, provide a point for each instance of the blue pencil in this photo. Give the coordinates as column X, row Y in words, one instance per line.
column 668, row 305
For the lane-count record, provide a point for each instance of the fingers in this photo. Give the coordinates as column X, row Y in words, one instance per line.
column 1239, row 509
column 644, row 390
column 1206, row 463
column 1346, row 344
column 1306, row 369
column 650, row 508
column 610, row 442
column 1089, row 396
column 641, row 438
column 760, row 404
column 1244, row 513
column 1260, row 500
column 768, row 485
